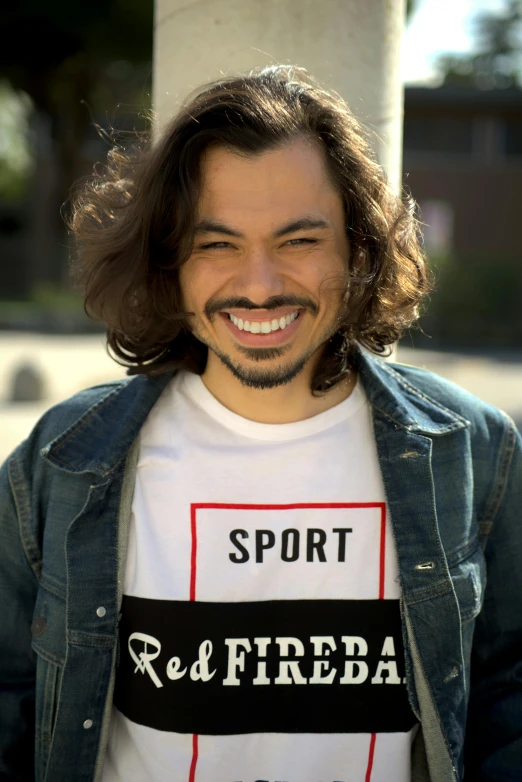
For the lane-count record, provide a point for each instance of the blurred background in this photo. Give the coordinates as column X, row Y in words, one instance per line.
column 69, row 76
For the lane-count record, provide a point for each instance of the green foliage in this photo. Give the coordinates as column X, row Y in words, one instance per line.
column 55, row 298
column 15, row 155
column 45, row 297
column 476, row 304
column 496, row 63
column 68, row 70
column 410, row 8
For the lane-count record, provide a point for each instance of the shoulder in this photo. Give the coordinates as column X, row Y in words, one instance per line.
column 24, row 470
column 422, row 401
column 481, row 415
column 62, row 417
column 93, row 430
column 65, row 414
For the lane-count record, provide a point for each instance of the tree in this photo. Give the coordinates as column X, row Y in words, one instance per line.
column 497, row 62
column 70, row 66
column 410, row 8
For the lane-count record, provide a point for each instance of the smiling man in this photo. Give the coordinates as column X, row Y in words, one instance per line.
column 270, row 230
column 269, row 555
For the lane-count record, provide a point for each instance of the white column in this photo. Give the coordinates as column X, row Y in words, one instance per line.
column 351, row 46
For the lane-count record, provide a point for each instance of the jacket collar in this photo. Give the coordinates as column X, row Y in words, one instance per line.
column 102, row 436
column 99, row 440
column 408, row 407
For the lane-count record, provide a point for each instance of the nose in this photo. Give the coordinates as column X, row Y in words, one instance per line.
column 259, row 276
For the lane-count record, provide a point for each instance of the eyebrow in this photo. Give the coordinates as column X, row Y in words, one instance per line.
column 301, row 224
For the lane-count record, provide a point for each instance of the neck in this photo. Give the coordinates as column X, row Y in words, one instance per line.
column 280, row 405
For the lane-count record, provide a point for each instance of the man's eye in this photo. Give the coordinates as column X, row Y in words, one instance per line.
column 302, row 240
column 215, row 246
column 226, row 245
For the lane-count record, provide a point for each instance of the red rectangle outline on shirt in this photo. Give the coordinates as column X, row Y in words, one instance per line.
column 194, row 507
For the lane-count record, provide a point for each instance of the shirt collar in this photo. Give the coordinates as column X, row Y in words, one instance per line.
column 102, row 436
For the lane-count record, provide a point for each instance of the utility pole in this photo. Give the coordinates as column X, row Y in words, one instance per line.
column 351, row 46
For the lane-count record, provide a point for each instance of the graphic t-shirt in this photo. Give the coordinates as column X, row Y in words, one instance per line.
column 260, row 636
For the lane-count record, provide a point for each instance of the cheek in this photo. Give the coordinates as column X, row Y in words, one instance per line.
column 326, row 282
column 191, row 282
column 184, row 290
column 202, row 279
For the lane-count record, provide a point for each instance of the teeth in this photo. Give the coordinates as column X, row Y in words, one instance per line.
column 264, row 326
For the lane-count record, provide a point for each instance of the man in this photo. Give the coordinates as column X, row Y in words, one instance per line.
column 265, row 556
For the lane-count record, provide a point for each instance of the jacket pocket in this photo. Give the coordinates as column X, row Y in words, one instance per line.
column 468, row 574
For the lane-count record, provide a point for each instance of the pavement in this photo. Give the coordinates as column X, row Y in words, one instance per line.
column 70, row 363
column 495, row 379
column 66, row 363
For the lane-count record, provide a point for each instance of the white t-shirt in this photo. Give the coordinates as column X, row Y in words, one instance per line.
column 260, row 635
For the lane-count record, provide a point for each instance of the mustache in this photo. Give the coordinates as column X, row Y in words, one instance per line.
column 272, row 303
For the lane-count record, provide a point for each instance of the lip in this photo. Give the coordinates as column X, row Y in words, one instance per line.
column 273, row 339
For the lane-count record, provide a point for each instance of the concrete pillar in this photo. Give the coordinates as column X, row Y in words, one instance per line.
column 351, row 46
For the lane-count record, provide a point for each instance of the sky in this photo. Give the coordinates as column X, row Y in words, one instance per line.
column 435, row 27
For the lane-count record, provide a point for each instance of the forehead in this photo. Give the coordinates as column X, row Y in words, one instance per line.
column 274, row 185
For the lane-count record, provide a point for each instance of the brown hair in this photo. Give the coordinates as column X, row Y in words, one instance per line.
column 134, row 223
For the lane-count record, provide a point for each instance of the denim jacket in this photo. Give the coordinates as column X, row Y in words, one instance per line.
column 452, row 471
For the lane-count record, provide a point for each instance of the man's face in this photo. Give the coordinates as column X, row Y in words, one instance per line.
column 265, row 277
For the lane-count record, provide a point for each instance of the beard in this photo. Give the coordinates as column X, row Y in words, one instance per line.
column 263, row 377
column 257, row 373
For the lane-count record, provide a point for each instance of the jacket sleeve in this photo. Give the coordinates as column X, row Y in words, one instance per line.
column 493, row 747
column 18, row 588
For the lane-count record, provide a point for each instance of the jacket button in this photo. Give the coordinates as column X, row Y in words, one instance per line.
column 38, row 625
column 87, row 724
column 101, row 611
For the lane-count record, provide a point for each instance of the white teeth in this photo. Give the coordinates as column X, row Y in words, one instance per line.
column 264, row 326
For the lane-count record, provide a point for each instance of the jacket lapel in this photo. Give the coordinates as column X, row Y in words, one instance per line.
column 405, row 437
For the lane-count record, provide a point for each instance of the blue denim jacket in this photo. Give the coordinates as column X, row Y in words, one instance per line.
column 452, row 470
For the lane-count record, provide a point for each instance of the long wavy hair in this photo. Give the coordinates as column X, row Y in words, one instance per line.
column 134, row 223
